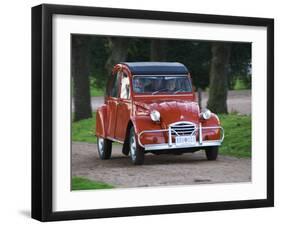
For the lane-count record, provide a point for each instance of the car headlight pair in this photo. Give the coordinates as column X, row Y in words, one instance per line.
column 206, row 114
column 155, row 116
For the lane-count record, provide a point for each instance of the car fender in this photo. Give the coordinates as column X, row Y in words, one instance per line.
column 212, row 121
column 144, row 122
column 101, row 117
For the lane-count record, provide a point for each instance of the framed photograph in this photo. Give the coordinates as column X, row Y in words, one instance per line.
column 146, row 112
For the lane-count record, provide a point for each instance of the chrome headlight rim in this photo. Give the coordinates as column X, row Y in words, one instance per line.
column 206, row 114
column 155, row 116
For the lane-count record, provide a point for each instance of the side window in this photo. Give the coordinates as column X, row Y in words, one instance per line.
column 125, row 87
column 115, row 85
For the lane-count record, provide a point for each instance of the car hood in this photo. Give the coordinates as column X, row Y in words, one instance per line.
column 173, row 110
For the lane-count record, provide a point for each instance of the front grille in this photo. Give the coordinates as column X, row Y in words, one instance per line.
column 182, row 128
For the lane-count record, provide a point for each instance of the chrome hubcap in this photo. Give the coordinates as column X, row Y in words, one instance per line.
column 133, row 148
column 100, row 145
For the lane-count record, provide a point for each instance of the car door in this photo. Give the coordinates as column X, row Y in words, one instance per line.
column 112, row 102
column 123, row 108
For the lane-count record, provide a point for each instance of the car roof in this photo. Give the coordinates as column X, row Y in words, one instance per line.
column 156, row 68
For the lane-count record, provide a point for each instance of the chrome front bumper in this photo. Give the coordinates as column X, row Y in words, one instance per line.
column 172, row 145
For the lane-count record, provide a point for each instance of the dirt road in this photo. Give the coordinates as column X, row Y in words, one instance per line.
column 158, row 170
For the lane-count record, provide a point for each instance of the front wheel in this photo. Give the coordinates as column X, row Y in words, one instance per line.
column 136, row 151
column 104, row 148
column 212, row 153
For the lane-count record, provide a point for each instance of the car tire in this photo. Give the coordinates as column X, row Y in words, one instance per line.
column 136, row 151
column 212, row 153
column 104, row 148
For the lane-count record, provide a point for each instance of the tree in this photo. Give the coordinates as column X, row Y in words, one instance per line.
column 118, row 52
column 240, row 64
column 218, row 77
column 80, row 74
column 195, row 55
column 99, row 55
column 139, row 49
column 158, row 50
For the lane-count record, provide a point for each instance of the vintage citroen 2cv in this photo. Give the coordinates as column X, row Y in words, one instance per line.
column 150, row 107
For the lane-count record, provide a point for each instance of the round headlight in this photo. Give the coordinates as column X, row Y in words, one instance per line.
column 206, row 114
column 155, row 116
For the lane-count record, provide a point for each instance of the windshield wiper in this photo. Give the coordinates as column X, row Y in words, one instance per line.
column 178, row 91
column 159, row 91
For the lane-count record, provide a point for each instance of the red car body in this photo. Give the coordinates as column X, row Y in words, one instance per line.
column 126, row 111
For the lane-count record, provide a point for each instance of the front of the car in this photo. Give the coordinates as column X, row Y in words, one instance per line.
column 167, row 118
column 164, row 115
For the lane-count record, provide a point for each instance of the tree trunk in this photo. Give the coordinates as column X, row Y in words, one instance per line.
column 119, row 51
column 80, row 74
column 218, row 77
column 158, row 50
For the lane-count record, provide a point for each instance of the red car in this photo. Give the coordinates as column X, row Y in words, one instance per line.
column 150, row 107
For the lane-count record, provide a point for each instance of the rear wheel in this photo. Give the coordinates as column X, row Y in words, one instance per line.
column 212, row 153
column 104, row 148
column 136, row 151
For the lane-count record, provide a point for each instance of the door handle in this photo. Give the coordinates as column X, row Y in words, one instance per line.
column 119, row 103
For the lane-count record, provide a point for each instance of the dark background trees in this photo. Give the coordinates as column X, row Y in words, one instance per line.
column 213, row 65
column 218, row 77
column 81, row 68
column 118, row 51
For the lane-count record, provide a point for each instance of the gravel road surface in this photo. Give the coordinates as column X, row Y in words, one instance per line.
column 158, row 170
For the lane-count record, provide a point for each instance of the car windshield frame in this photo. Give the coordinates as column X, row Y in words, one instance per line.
column 162, row 89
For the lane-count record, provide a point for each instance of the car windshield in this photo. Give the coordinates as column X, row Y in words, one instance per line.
column 161, row 84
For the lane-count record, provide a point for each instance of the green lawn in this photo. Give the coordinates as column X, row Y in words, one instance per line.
column 237, row 129
column 80, row 183
column 84, row 130
column 237, row 141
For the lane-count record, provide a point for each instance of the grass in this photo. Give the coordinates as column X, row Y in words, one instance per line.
column 240, row 85
column 84, row 130
column 237, row 141
column 96, row 92
column 80, row 183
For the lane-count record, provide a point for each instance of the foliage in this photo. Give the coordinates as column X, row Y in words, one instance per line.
column 240, row 84
column 93, row 56
column 80, row 183
column 95, row 90
column 196, row 55
column 99, row 54
column 237, row 141
column 139, row 50
column 240, row 64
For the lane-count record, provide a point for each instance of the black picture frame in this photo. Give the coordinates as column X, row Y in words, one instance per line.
column 42, row 108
